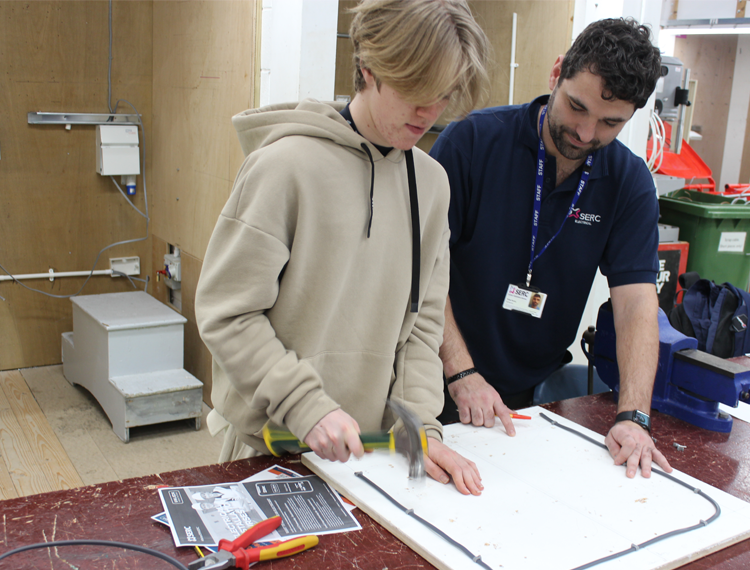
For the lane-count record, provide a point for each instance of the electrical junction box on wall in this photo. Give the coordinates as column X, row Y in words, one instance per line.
column 117, row 150
column 173, row 266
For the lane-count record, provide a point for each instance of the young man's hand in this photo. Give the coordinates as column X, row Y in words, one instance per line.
column 443, row 464
column 335, row 437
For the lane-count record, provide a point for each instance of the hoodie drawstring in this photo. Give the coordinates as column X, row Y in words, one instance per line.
column 372, row 185
column 415, row 231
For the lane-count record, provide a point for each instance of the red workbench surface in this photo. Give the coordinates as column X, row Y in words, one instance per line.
column 121, row 510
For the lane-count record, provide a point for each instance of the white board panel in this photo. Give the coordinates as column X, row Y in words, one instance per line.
column 552, row 500
column 742, row 411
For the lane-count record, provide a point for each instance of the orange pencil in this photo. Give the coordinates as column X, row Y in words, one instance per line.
column 519, row 417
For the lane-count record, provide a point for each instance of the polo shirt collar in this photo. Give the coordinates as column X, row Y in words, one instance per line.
column 528, row 135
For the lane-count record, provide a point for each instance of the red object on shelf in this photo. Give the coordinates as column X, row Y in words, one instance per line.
column 731, row 189
column 672, row 263
column 687, row 164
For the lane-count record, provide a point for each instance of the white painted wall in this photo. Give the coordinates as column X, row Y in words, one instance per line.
column 298, row 50
column 738, row 106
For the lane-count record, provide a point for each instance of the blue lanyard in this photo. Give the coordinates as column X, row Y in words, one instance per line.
column 541, row 156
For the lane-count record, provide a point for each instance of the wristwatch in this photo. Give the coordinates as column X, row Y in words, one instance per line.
column 636, row 416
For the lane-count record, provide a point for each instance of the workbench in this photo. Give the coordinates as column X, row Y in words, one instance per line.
column 121, row 510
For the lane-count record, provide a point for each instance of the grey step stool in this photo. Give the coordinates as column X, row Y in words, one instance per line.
column 127, row 350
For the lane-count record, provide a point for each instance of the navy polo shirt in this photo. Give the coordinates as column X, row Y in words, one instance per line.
column 490, row 158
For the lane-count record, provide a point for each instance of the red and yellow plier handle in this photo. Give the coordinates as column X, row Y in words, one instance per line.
column 236, row 554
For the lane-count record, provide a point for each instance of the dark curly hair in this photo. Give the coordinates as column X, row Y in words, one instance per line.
column 620, row 52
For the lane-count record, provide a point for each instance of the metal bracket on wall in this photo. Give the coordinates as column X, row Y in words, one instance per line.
column 83, row 118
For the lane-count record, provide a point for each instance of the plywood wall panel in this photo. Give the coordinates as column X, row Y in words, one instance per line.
column 204, row 68
column 711, row 62
column 56, row 211
column 194, row 170
column 544, row 31
column 344, row 84
column 204, row 73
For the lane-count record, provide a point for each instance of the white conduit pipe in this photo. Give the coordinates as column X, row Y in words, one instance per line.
column 513, row 63
column 52, row 274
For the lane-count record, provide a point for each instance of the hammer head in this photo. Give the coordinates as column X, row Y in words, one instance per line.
column 411, row 439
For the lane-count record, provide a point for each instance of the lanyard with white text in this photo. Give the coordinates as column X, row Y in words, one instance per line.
column 541, row 155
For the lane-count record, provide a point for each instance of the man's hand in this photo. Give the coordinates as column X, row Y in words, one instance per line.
column 443, row 464
column 478, row 403
column 627, row 441
column 335, row 437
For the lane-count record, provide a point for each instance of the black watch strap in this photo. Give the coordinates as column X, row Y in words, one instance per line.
column 635, row 416
column 460, row 375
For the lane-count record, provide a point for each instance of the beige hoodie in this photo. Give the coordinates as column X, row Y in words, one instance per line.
column 302, row 312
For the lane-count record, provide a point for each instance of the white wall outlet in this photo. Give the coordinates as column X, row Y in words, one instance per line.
column 126, row 265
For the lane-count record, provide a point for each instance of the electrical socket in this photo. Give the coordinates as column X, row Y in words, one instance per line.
column 126, row 265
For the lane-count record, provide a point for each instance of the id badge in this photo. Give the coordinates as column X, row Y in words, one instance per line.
column 524, row 300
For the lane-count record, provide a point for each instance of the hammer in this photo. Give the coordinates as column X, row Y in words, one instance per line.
column 411, row 441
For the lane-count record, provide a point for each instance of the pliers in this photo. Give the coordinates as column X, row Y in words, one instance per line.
column 235, row 554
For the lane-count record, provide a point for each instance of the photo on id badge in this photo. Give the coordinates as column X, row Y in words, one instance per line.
column 524, row 300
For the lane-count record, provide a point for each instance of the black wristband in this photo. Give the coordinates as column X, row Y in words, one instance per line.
column 460, row 375
column 637, row 417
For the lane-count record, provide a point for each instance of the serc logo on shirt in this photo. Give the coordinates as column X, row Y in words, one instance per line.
column 583, row 218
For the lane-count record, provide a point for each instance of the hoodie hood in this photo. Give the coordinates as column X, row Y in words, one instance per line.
column 257, row 128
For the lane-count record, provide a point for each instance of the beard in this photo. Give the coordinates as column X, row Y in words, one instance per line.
column 558, row 131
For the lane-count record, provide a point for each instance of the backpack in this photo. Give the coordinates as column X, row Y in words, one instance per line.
column 715, row 315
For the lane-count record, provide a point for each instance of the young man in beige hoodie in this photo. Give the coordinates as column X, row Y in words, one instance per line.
column 323, row 288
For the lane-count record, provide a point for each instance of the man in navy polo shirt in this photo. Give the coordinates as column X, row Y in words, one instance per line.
column 539, row 214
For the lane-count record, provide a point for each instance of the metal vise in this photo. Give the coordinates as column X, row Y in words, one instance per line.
column 689, row 383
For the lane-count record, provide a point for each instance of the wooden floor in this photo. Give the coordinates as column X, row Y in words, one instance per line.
column 56, row 436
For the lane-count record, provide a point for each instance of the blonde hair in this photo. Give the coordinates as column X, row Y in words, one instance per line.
column 424, row 49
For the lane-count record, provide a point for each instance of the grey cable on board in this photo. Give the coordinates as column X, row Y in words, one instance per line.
column 659, row 538
column 633, row 547
column 411, row 513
